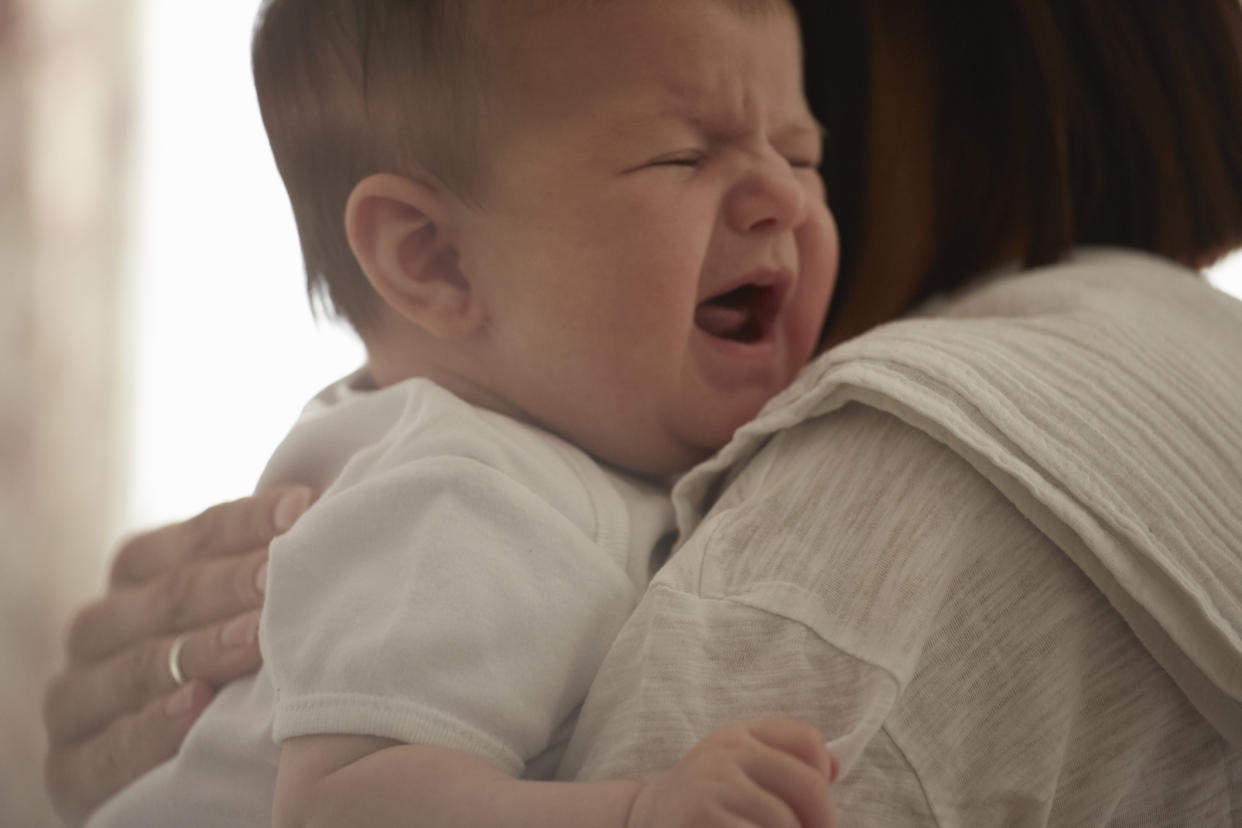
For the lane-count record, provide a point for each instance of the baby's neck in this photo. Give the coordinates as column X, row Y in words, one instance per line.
column 392, row 360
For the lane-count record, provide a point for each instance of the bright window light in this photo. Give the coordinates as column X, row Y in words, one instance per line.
column 1227, row 274
column 225, row 348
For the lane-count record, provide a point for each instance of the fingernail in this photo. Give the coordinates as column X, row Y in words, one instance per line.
column 289, row 508
column 241, row 631
column 179, row 703
column 260, row 578
column 835, row 770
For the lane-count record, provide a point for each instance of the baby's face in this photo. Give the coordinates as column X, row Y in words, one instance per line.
column 652, row 234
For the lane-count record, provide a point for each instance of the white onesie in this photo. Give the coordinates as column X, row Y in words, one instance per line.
column 458, row 584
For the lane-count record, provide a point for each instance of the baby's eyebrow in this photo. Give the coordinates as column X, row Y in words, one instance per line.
column 715, row 127
column 811, row 128
column 641, row 117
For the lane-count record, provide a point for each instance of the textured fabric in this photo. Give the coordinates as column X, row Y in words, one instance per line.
column 457, row 584
column 994, row 552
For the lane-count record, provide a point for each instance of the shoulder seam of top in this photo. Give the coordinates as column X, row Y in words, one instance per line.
column 739, row 600
column 931, row 809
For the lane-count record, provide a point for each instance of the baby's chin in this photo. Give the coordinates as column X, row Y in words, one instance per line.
column 660, row 458
column 667, row 456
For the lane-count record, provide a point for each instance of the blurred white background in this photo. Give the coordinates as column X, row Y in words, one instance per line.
column 1227, row 275
column 156, row 337
column 224, row 346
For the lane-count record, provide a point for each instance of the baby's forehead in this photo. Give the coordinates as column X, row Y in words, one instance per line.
column 524, row 41
column 641, row 62
column 508, row 28
column 505, row 17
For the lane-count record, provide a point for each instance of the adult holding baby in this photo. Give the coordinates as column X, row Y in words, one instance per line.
column 991, row 551
column 495, row 477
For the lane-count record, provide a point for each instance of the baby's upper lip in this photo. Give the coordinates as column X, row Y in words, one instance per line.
column 780, row 279
column 746, row 309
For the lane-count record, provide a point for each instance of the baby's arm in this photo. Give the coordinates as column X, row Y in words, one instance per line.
column 772, row 773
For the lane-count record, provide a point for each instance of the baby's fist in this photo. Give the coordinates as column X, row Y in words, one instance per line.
column 770, row 773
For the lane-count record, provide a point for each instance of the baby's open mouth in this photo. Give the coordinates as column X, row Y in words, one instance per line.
column 744, row 314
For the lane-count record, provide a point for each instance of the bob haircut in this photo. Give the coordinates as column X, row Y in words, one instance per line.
column 1058, row 122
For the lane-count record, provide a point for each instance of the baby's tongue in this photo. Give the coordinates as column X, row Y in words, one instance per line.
column 720, row 320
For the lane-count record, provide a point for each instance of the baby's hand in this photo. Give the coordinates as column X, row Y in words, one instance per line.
column 773, row 773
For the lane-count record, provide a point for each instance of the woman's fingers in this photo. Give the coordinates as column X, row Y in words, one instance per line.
column 86, row 699
column 116, row 712
column 227, row 651
column 82, row 775
column 227, row 529
column 119, row 647
column 192, row 595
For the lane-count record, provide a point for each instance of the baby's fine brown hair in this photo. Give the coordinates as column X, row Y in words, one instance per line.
column 350, row 88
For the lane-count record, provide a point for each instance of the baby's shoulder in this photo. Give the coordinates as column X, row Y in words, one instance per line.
column 420, row 430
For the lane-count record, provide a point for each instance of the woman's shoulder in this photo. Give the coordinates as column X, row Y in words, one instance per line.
column 861, row 574
column 855, row 525
column 1087, row 336
column 1072, row 403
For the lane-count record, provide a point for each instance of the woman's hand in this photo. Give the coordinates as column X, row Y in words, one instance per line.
column 116, row 710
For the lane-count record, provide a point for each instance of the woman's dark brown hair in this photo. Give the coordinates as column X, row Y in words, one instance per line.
column 1056, row 123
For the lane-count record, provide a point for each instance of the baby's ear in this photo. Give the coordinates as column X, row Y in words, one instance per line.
column 401, row 233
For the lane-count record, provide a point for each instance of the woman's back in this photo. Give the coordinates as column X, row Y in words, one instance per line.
column 944, row 565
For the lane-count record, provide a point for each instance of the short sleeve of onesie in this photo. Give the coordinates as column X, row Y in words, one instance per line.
column 435, row 596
